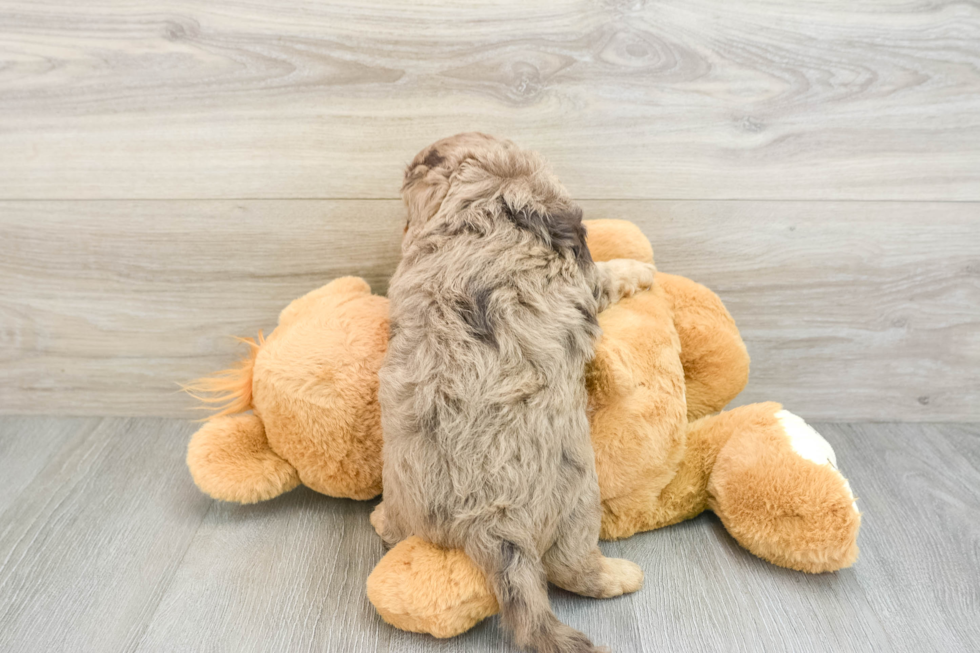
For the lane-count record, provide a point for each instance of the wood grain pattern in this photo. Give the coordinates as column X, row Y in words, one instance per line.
column 919, row 490
column 109, row 548
column 26, row 447
column 88, row 547
column 107, row 306
column 285, row 575
column 851, row 310
column 762, row 99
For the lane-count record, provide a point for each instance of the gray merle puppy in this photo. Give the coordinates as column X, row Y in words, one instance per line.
column 483, row 400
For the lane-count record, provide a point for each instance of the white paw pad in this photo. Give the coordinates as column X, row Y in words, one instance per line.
column 810, row 445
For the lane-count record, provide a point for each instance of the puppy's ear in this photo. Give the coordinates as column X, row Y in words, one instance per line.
column 424, row 188
column 433, row 159
column 561, row 229
column 421, row 165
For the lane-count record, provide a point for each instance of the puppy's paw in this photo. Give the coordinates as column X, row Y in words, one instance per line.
column 378, row 519
column 625, row 277
column 620, row 577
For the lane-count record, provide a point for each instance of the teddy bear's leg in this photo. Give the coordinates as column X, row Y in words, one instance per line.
column 776, row 487
column 422, row 588
column 716, row 363
column 230, row 460
column 686, row 494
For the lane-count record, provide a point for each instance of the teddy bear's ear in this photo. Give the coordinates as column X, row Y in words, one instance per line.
column 611, row 239
column 342, row 287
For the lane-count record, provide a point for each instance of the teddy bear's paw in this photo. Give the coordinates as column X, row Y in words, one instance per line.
column 422, row 588
column 776, row 487
column 230, row 459
column 620, row 577
column 810, row 445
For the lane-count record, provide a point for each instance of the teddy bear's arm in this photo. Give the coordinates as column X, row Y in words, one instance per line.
column 231, row 460
column 716, row 363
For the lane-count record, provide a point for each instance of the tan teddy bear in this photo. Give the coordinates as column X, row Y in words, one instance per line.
column 668, row 360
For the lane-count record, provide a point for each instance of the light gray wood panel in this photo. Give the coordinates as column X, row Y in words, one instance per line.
column 856, row 311
column 106, row 306
column 90, row 544
column 919, row 490
column 105, row 550
column 281, row 576
column 851, row 310
column 26, row 444
column 763, row 99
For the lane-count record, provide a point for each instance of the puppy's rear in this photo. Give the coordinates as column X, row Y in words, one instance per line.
column 493, row 319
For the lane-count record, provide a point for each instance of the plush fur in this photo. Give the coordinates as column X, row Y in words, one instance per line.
column 482, row 394
column 312, row 386
column 315, row 392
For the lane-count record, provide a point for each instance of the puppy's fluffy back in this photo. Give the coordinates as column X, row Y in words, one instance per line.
column 482, row 392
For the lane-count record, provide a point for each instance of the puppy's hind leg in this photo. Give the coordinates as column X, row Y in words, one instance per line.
column 575, row 563
column 378, row 519
column 595, row 575
column 387, row 528
column 517, row 576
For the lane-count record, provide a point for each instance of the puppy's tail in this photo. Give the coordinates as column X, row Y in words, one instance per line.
column 518, row 579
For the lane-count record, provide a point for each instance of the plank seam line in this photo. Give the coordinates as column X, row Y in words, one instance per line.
column 141, row 636
column 577, row 199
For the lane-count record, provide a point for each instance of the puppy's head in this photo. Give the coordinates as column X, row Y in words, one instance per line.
column 429, row 175
column 466, row 168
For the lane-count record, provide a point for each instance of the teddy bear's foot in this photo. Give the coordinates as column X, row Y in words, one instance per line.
column 423, row 588
column 230, row 460
column 776, row 487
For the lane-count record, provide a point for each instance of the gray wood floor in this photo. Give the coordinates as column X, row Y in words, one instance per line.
column 106, row 545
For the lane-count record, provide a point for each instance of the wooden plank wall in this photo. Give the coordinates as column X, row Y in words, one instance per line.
column 172, row 173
